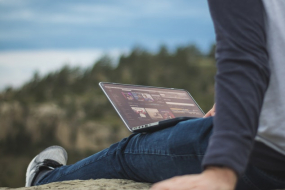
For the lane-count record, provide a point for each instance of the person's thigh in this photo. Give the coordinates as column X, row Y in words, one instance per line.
column 148, row 157
column 177, row 150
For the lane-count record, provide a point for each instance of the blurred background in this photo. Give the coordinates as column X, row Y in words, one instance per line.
column 54, row 53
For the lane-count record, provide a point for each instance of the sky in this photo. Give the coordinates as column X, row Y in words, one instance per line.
column 44, row 35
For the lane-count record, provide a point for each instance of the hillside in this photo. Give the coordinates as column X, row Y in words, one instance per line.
column 67, row 107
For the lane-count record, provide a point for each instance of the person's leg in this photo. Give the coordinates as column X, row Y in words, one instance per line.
column 156, row 156
column 149, row 157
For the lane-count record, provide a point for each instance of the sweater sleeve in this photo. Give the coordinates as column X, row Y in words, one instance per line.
column 241, row 81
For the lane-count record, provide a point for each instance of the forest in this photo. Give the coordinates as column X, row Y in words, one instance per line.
column 67, row 107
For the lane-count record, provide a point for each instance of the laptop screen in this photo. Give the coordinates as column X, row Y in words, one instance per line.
column 140, row 105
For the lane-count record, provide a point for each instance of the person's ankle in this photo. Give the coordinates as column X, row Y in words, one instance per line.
column 40, row 175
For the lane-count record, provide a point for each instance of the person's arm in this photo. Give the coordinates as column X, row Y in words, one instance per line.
column 241, row 81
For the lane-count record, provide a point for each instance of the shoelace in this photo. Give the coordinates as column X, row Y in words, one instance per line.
column 51, row 164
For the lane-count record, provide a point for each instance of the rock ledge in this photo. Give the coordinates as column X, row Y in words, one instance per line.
column 99, row 184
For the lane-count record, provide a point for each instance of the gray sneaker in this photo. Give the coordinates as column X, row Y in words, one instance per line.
column 50, row 158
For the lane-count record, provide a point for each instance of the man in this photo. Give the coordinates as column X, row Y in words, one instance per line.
column 242, row 147
column 250, row 42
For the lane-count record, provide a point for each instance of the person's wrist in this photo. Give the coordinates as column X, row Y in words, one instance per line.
column 224, row 175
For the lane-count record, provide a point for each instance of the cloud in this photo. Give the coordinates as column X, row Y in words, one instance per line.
column 71, row 24
column 33, row 26
column 17, row 67
column 80, row 12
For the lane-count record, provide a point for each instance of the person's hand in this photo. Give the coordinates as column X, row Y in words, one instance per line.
column 213, row 178
column 211, row 112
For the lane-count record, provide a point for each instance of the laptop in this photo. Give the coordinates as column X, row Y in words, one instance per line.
column 148, row 108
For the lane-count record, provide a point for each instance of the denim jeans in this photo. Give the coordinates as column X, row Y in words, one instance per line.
column 152, row 157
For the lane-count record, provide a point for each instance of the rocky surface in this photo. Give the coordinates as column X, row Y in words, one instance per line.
column 99, row 184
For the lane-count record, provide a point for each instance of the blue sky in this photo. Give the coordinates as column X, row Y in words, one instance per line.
column 44, row 35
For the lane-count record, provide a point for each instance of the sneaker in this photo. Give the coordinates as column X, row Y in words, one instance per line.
column 50, row 158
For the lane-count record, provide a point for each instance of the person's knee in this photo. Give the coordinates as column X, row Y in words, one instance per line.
column 190, row 137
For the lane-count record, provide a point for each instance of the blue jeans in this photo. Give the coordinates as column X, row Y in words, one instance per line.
column 156, row 156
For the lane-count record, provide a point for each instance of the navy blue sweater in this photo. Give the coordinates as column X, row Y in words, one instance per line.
column 241, row 81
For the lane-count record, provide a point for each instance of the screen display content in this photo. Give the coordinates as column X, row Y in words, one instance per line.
column 139, row 105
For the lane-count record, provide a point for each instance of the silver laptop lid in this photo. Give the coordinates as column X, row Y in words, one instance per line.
column 140, row 105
